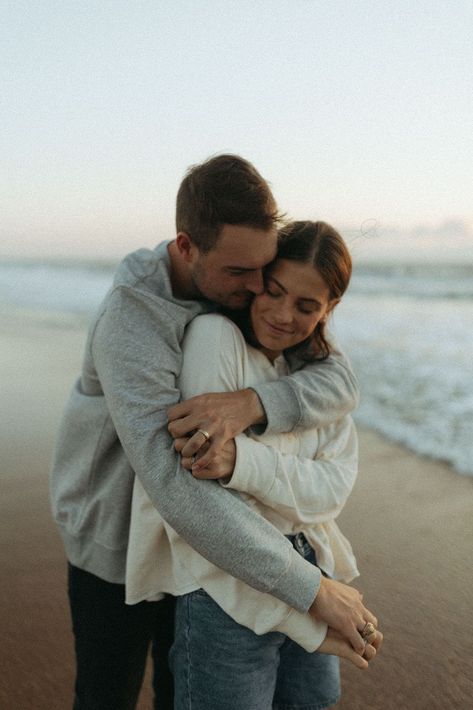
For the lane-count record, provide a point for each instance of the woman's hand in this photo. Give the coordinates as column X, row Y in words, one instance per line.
column 221, row 466
column 335, row 645
column 221, row 415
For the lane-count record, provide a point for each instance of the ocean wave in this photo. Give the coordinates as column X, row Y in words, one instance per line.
column 406, row 328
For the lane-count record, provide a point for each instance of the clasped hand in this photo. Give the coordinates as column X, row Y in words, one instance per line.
column 220, row 466
column 223, row 416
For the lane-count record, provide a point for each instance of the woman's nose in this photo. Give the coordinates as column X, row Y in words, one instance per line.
column 283, row 312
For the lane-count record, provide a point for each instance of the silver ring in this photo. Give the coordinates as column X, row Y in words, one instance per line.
column 193, row 459
column 205, row 433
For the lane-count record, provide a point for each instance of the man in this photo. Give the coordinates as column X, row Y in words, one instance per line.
column 116, row 425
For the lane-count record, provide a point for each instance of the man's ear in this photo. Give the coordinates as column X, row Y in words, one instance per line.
column 186, row 247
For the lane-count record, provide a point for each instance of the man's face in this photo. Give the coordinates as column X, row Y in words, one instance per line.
column 232, row 272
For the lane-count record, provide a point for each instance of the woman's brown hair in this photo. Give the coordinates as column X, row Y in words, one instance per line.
column 319, row 244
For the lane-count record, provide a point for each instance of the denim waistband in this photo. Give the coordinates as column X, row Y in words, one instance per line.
column 300, row 543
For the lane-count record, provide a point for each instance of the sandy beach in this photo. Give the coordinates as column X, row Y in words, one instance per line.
column 409, row 519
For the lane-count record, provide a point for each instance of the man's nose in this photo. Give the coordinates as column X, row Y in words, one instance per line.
column 254, row 282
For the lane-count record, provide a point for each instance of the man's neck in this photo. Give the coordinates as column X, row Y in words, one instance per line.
column 181, row 281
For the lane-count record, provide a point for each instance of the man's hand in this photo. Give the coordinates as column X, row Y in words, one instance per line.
column 222, row 415
column 221, row 466
column 341, row 607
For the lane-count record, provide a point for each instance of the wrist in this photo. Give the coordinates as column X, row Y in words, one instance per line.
column 314, row 609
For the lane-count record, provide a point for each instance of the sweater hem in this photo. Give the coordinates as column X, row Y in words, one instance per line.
column 91, row 556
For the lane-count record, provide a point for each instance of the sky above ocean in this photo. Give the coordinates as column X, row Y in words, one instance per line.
column 357, row 113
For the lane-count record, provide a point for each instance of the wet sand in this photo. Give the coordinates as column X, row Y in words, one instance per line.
column 410, row 521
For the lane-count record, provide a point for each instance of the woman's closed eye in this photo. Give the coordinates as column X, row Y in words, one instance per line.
column 309, row 307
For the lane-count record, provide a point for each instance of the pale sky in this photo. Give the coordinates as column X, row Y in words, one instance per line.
column 357, row 113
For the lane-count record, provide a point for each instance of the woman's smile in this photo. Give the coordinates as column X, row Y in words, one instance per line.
column 276, row 329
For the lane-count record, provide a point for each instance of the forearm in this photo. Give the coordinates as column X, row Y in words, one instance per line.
column 305, row 491
column 314, row 396
column 223, row 529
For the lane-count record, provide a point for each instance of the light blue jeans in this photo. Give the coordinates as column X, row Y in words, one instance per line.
column 220, row 665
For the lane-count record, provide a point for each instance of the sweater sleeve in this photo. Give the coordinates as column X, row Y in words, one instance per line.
column 303, row 490
column 320, row 393
column 137, row 356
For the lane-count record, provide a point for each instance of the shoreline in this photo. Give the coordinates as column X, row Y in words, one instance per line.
column 409, row 520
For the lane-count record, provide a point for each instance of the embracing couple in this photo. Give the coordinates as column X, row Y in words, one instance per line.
column 203, row 457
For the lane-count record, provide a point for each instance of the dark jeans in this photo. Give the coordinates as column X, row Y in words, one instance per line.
column 112, row 641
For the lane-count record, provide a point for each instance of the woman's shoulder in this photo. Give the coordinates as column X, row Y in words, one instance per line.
column 214, row 356
column 217, row 327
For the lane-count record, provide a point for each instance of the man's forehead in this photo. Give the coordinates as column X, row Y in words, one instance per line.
column 245, row 247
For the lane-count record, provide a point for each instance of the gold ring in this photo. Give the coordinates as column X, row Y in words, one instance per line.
column 205, row 433
column 368, row 630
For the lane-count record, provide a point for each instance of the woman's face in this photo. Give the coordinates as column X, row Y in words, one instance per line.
column 295, row 299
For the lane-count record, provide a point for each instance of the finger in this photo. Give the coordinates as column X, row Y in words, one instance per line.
column 177, row 411
column 185, row 426
column 190, row 462
column 180, row 443
column 203, row 473
column 356, row 641
column 206, row 458
column 370, row 638
column 197, row 443
column 377, row 641
column 356, row 659
column 369, row 617
column 370, row 652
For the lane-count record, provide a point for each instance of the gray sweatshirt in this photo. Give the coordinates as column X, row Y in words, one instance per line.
column 115, row 426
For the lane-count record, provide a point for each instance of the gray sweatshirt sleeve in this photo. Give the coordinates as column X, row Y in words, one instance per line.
column 136, row 353
column 316, row 395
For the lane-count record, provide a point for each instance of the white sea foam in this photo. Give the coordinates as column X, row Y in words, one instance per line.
column 414, row 361
column 407, row 328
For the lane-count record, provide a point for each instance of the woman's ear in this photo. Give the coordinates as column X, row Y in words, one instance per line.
column 331, row 306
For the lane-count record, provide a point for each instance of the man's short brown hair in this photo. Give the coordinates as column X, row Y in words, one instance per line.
column 225, row 189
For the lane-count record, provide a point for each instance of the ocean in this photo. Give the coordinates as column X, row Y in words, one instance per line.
column 407, row 328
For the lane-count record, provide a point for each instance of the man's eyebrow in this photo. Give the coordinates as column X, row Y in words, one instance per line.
column 301, row 298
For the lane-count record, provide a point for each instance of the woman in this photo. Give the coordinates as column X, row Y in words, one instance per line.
column 234, row 647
